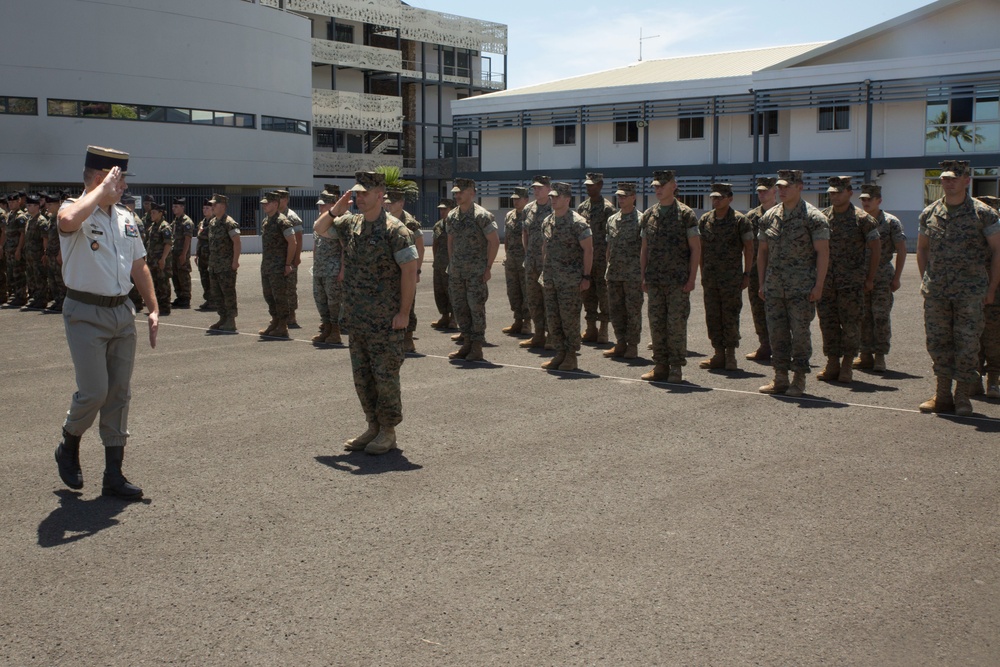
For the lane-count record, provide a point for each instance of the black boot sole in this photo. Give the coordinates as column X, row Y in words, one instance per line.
column 112, row 493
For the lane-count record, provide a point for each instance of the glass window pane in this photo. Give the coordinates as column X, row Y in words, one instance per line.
column 124, row 111
column 244, row 120
column 201, row 117
column 95, row 109
column 987, row 109
column 225, row 118
column 61, row 108
column 937, row 113
column 842, row 120
column 937, row 139
column 175, row 115
column 961, row 110
column 988, row 138
column 152, row 113
column 22, row 105
column 825, row 119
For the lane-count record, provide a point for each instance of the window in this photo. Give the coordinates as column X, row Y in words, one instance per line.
column 341, row 33
column 565, row 135
column 275, row 124
column 506, row 202
column 19, row 106
column 626, row 132
column 325, row 138
column 116, row 111
column 457, row 146
column 772, row 122
column 694, row 201
column 834, row 118
column 963, row 121
column 691, row 128
column 823, row 200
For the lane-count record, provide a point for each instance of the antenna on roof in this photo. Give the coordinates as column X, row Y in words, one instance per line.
column 641, row 40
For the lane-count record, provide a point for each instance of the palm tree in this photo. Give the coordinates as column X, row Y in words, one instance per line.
column 394, row 181
column 959, row 133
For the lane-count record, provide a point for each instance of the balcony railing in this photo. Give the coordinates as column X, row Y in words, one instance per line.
column 356, row 55
column 456, row 75
column 357, row 111
column 346, row 164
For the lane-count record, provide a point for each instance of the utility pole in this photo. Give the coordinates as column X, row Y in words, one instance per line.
column 642, row 39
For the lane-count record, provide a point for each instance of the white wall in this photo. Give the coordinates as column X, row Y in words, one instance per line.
column 501, row 150
column 189, row 53
column 808, row 143
column 604, row 153
column 899, row 129
column 544, row 154
column 666, row 149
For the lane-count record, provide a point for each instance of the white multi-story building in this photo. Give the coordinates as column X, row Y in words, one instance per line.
column 885, row 104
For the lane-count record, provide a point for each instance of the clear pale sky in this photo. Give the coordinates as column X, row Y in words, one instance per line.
column 563, row 38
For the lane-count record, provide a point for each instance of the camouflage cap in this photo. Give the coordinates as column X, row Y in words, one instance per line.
column 219, row 199
column 332, row 190
column 156, row 206
column 541, row 181
column 54, row 198
column 270, row 197
column 180, row 201
column 593, row 178
column 954, row 168
column 207, row 202
column 126, row 199
column 13, row 196
column 766, row 183
column 625, row 188
column 395, row 194
column 463, row 184
column 871, row 190
column 839, row 184
column 561, row 190
column 283, row 193
column 446, row 204
column 325, row 198
column 663, row 177
column 520, row 193
column 722, row 190
column 366, row 180
column 789, row 176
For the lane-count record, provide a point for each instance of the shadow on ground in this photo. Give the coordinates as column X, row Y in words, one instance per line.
column 359, row 463
column 76, row 518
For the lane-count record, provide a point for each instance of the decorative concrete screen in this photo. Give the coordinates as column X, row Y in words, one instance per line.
column 357, row 111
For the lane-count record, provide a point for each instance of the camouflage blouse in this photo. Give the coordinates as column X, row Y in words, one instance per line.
column 666, row 230
column 956, row 265
column 563, row 261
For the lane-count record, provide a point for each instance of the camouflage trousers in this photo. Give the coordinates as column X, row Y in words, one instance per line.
column 223, row 293
column 36, row 280
column 723, row 306
column 840, row 312
column 876, row 326
column 441, row 299
column 563, row 305
column 789, row 318
column 328, row 293
column 181, row 277
column 953, row 328
column 275, row 286
column 161, row 284
column 595, row 298
column 668, row 311
column 375, row 361
column 516, row 288
column 3, row 276
column 757, row 308
column 535, row 299
column 625, row 299
column 15, row 274
column 990, row 340
column 57, row 288
column 411, row 324
column 468, row 302
column 204, row 273
column 292, row 290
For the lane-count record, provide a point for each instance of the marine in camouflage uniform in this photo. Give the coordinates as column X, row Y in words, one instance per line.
column 726, row 258
column 53, row 254
column 671, row 253
column 13, row 251
column 36, row 230
column 766, row 193
column 395, row 201
column 473, row 243
column 513, row 264
column 989, row 350
column 158, row 255
column 224, row 249
column 532, row 240
column 624, row 275
column 328, row 269
column 128, row 201
column 439, row 244
column 183, row 228
column 854, row 242
column 567, row 262
column 792, row 262
column 201, row 256
column 876, row 324
column 596, row 210
column 277, row 238
column 957, row 236
column 293, row 277
column 380, row 276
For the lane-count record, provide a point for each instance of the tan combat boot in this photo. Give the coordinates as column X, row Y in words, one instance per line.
column 846, row 370
column 762, row 353
column 475, row 351
column 462, row 352
column 659, row 373
column 280, row 329
column 360, row 442
column 441, row 323
column 717, row 360
column 878, row 363
column 569, row 362
column 798, row 385
column 832, row 371
column 515, row 328
column 555, row 362
column 590, row 335
column 270, row 327
column 977, row 388
column 631, row 352
column 334, row 337
column 215, row 327
column 676, row 374
column 864, row 362
column 602, row 333
column 779, row 385
column 617, row 351
column 942, row 400
column 963, row 406
column 993, row 385
column 229, row 325
column 383, row 442
column 459, row 338
column 731, row 359
column 324, row 331
column 536, row 341
column 525, row 327
column 408, row 344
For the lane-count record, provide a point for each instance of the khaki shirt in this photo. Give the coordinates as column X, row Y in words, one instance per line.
column 98, row 257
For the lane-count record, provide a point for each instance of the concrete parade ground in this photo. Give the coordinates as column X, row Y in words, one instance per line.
column 529, row 518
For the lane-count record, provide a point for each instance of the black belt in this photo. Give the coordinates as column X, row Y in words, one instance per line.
column 95, row 299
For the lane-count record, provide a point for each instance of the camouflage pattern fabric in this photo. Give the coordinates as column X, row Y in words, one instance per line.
column 183, row 228
column 276, row 232
column 954, row 284
column 562, row 271
column 202, row 254
column 413, row 225
column 16, row 279
column 3, row 259
column 625, row 299
column 223, row 285
column 293, row 278
column 35, row 231
column 534, row 214
column 722, row 274
column 467, row 291
column 990, row 340
column 668, row 311
column 756, row 303
column 57, row 288
column 788, row 321
column 160, row 234
column 624, row 277
column 327, row 290
column 439, row 246
column 876, row 324
column 595, row 299
column 220, row 243
column 513, row 265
